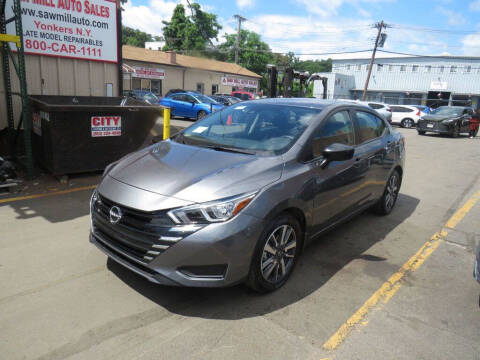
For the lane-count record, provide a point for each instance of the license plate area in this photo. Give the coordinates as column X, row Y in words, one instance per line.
column 429, row 126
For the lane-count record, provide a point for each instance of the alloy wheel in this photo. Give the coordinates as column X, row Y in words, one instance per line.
column 278, row 254
column 392, row 192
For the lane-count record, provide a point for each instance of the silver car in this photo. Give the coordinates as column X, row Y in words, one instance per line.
column 236, row 196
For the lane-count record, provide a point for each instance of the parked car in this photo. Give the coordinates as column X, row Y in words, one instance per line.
column 144, row 95
column 404, row 115
column 190, row 105
column 244, row 95
column 424, row 109
column 225, row 100
column 383, row 109
column 448, row 120
column 236, row 196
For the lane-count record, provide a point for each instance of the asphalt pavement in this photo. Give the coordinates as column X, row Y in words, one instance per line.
column 395, row 287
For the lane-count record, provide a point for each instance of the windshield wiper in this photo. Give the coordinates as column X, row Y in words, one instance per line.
column 229, row 149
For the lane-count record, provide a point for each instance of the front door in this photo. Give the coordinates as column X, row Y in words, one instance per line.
column 336, row 185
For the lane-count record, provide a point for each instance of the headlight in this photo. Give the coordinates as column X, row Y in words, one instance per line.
column 449, row 121
column 93, row 200
column 211, row 212
column 109, row 168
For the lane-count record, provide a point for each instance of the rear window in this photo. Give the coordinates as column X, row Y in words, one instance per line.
column 375, row 106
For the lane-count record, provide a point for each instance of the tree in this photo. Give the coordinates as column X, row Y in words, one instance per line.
column 254, row 54
column 135, row 37
column 191, row 32
column 313, row 66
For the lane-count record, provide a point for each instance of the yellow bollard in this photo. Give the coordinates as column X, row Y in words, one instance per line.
column 166, row 123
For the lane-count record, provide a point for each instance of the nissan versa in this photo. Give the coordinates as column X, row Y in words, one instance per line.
column 236, row 196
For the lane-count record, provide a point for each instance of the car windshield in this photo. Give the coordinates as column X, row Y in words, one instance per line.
column 259, row 128
column 204, row 99
column 150, row 98
column 447, row 110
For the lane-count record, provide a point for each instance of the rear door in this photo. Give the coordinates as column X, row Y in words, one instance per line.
column 397, row 113
column 177, row 105
column 375, row 153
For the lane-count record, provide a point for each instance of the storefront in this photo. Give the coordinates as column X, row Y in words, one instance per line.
column 159, row 72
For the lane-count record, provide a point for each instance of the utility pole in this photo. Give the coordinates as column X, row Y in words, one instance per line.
column 237, row 41
column 380, row 26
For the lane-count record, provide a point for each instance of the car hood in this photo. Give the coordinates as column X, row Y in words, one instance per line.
column 438, row 117
column 196, row 174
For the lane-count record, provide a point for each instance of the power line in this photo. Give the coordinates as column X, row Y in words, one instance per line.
column 432, row 30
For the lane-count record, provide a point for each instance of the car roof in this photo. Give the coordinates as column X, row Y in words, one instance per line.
column 305, row 102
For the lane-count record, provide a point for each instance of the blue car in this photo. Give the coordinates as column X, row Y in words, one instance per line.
column 424, row 109
column 190, row 105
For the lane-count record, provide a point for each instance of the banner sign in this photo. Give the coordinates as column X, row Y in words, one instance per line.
column 106, row 126
column 438, row 85
column 148, row 73
column 238, row 82
column 80, row 29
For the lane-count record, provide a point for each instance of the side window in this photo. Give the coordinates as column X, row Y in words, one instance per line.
column 337, row 129
column 176, row 97
column 395, row 108
column 375, row 106
column 369, row 126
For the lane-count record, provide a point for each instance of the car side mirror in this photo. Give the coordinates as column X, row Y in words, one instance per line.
column 333, row 152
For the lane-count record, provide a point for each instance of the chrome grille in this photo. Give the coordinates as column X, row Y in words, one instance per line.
column 141, row 235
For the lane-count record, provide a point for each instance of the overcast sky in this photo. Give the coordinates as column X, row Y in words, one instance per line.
column 320, row 26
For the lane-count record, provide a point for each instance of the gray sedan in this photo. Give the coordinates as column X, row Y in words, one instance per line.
column 236, row 196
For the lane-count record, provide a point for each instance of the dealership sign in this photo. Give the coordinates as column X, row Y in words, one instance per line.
column 148, row 73
column 438, row 85
column 81, row 29
column 238, row 82
column 106, row 126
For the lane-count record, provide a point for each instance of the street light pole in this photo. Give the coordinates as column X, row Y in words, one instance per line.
column 237, row 41
column 380, row 27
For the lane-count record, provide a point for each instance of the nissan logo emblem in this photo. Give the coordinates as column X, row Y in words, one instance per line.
column 115, row 214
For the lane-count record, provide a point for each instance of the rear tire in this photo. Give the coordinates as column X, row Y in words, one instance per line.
column 407, row 123
column 421, row 132
column 201, row 114
column 276, row 254
column 387, row 202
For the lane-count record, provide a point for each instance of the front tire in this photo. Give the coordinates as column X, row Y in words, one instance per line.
column 276, row 254
column 201, row 114
column 387, row 202
column 421, row 132
column 455, row 132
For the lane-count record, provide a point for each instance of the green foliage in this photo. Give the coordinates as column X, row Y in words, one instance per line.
column 190, row 32
column 135, row 37
column 254, row 54
column 313, row 66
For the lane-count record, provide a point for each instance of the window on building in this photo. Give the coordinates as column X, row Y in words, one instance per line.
column 367, row 67
column 428, row 68
column 348, row 66
column 200, row 87
column 156, row 87
column 359, row 67
column 403, row 68
column 442, row 68
column 390, row 67
column 379, row 67
column 468, row 69
column 414, row 68
column 214, row 89
column 453, row 69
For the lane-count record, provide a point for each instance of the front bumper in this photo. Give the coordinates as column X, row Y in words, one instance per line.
column 436, row 127
column 230, row 245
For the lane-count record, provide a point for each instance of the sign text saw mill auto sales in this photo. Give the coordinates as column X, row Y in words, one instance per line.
column 83, row 29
